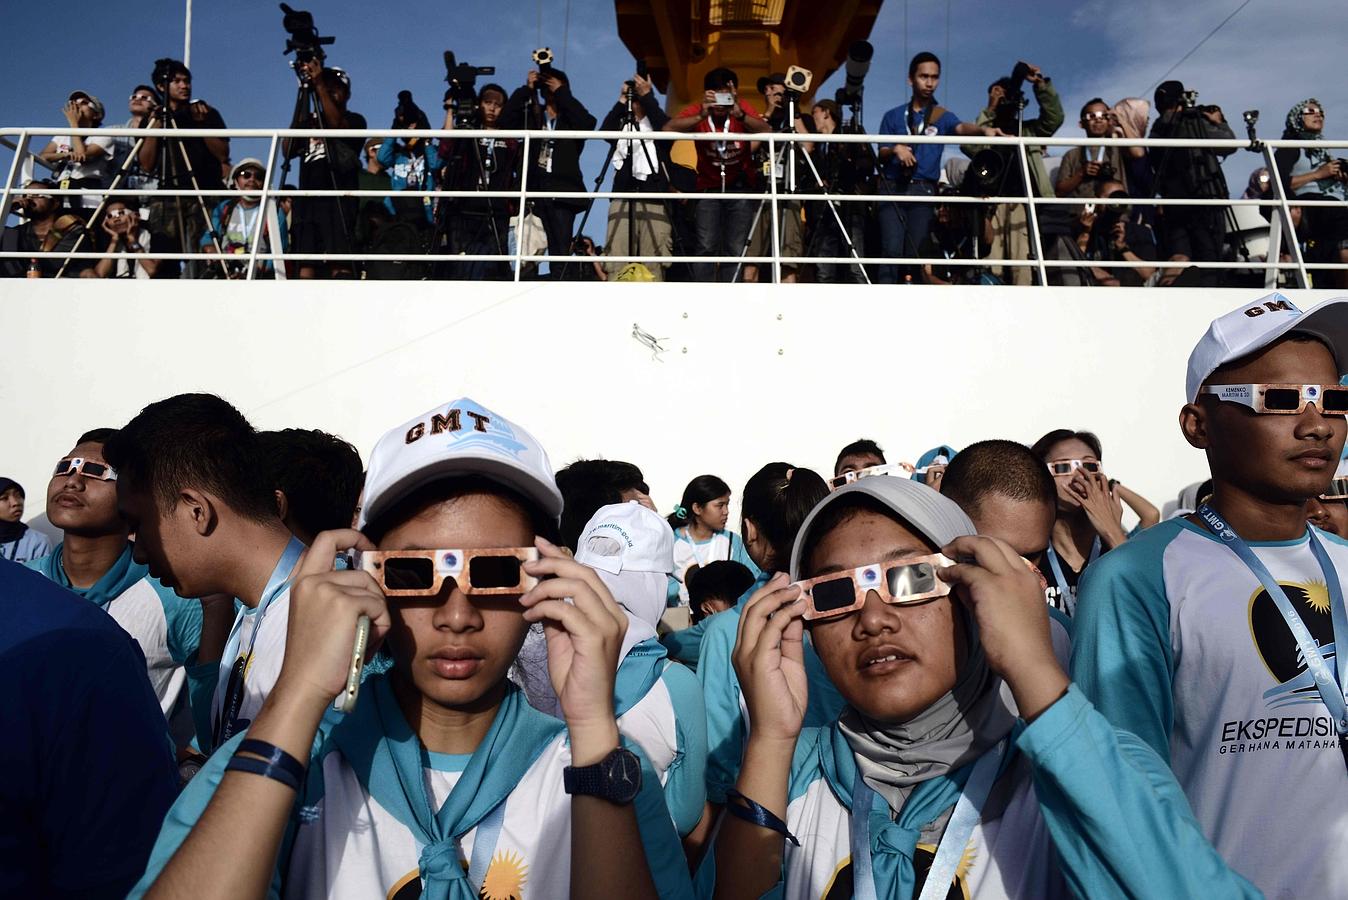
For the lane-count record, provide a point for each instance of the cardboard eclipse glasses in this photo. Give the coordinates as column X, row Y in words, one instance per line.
column 497, row 571
column 1283, row 399
column 903, row 581
column 86, row 467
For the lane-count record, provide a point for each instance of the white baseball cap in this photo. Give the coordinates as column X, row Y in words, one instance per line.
column 1254, row 326
column 461, row 437
column 626, row 537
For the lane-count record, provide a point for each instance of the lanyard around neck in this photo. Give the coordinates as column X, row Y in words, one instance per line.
column 1333, row 691
column 968, row 812
column 276, row 585
column 1066, row 591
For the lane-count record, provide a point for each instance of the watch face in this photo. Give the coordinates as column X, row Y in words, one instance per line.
column 622, row 771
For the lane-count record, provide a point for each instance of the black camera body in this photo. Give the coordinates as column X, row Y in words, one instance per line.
column 304, row 40
column 462, row 92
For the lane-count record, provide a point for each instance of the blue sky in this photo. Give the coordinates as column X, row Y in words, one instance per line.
column 1268, row 57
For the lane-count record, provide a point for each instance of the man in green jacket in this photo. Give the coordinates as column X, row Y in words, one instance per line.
column 1010, row 222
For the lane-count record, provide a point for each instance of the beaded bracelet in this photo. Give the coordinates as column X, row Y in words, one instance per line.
column 275, row 763
column 741, row 807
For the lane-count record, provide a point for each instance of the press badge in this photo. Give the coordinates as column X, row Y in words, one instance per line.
column 545, row 158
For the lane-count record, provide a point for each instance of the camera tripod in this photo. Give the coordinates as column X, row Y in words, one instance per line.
column 309, row 107
column 471, row 120
column 168, row 176
column 788, row 153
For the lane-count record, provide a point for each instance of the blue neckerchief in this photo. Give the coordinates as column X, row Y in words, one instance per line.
column 388, row 759
column 125, row 572
column 893, row 841
column 1329, row 681
column 1065, row 590
column 640, row 669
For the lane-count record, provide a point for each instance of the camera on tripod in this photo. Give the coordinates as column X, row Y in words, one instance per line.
column 462, row 92
column 304, row 40
column 1189, row 105
column 798, row 80
column 1007, row 114
column 543, row 58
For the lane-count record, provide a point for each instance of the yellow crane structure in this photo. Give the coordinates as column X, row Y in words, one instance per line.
column 681, row 40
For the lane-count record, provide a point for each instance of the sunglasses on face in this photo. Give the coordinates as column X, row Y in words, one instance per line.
column 1068, row 466
column 905, row 581
column 1312, row 111
column 1338, row 490
column 1096, row 116
column 847, row 478
column 87, row 468
column 250, row 174
column 421, row 573
column 1284, row 399
column 141, row 97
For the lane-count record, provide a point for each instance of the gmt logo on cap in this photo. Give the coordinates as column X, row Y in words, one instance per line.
column 470, row 427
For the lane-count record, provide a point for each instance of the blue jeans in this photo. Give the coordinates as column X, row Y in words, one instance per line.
column 903, row 227
column 721, row 228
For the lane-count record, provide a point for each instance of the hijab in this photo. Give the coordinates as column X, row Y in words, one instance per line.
column 1296, row 130
column 11, row 531
column 1132, row 113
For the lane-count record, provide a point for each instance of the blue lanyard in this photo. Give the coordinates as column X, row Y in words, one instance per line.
column 1066, row 592
column 485, row 836
column 1333, row 691
column 276, row 584
column 968, row 812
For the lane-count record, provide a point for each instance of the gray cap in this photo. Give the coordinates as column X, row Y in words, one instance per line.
column 931, row 515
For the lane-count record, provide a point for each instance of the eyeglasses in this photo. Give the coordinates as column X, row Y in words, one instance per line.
column 86, row 467
column 1068, row 466
column 847, row 478
column 421, row 573
column 250, row 173
column 1095, row 116
column 1312, row 111
column 911, row 580
column 1338, row 490
column 141, row 97
column 1283, row 399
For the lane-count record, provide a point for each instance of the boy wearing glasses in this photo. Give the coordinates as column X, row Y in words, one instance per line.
column 442, row 781
column 95, row 560
column 238, row 219
column 1212, row 636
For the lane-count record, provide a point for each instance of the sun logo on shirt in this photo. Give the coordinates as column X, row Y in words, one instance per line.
column 505, row 877
column 1317, row 596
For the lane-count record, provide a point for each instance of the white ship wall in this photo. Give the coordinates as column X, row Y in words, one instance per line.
column 751, row 374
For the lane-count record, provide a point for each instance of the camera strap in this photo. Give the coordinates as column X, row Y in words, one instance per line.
column 1333, row 690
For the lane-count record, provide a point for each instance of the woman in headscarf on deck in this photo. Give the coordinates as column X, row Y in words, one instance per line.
column 1313, row 173
column 961, row 730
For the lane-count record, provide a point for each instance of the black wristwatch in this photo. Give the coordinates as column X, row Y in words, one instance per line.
column 615, row 778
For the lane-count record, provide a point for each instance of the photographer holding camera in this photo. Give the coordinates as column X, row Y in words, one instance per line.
column 206, row 157
column 545, row 103
column 129, row 239
column 1005, row 112
column 1313, row 174
column 721, row 226
column 639, row 166
column 1084, row 169
column 47, row 227
column 1114, row 233
column 325, row 224
column 1193, row 232
column 410, row 163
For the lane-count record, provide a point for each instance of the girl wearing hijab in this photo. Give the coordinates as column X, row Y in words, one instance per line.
column 1315, row 174
column 18, row 542
column 964, row 758
column 442, row 782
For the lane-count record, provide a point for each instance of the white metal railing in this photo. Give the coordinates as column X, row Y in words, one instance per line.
column 1280, row 224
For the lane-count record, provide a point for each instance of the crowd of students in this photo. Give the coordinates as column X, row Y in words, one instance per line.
column 254, row 666
column 1110, row 230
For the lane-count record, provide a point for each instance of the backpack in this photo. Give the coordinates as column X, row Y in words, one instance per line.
column 403, row 238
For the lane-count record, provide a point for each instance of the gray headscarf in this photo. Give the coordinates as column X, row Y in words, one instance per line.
column 972, row 717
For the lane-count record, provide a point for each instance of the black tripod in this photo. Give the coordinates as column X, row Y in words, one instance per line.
column 309, row 108
column 168, row 176
column 788, row 152
column 472, row 120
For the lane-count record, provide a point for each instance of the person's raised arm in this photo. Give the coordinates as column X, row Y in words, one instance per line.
column 1146, row 512
column 692, row 117
column 231, row 852
column 770, row 663
column 608, row 858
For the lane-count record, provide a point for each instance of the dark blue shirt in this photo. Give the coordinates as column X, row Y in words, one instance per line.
column 905, row 120
column 88, row 768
